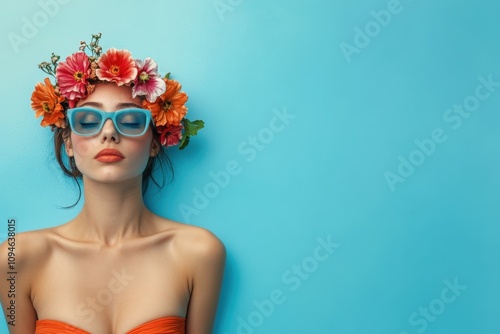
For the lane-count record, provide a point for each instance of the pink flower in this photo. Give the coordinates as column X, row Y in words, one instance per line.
column 148, row 82
column 72, row 76
column 170, row 135
column 116, row 66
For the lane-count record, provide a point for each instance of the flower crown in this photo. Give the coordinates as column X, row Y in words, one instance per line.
column 77, row 76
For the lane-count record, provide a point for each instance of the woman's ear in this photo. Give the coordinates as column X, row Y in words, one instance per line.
column 155, row 149
column 68, row 146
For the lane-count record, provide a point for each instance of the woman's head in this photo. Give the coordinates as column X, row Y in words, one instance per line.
column 140, row 155
column 111, row 149
column 95, row 78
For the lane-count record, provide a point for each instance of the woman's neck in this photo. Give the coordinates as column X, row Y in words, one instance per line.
column 112, row 212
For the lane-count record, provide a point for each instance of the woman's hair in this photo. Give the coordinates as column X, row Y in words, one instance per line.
column 61, row 135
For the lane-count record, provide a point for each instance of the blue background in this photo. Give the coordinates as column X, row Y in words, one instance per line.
column 353, row 117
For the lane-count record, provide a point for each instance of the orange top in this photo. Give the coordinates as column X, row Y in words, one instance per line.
column 166, row 325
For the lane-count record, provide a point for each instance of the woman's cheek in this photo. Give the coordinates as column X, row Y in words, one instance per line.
column 140, row 153
column 81, row 146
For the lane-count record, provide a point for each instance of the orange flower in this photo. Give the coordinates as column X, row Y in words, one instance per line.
column 169, row 108
column 45, row 102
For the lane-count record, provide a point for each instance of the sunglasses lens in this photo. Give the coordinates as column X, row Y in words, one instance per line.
column 129, row 122
column 86, row 122
column 132, row 123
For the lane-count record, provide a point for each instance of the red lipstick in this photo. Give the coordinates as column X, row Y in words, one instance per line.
column 109, row 155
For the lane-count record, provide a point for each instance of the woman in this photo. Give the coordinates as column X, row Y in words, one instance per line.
column 116, row 267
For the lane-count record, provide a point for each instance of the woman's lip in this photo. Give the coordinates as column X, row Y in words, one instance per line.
column 109, row 155
column 109, row 158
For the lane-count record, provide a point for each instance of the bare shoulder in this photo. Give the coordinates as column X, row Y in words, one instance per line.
column 26, row 248
column 202, row 258
column 24, row 254
column 196, row 243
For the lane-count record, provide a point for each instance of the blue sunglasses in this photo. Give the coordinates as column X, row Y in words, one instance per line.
column 131, row 122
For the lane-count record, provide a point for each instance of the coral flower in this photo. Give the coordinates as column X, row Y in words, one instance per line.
column 148, row 82
column 170, row 135
column 72, row 76
column 116, row 66
column 169, row 108
column 45, row 102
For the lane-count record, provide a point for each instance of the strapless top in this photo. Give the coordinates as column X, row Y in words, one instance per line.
column 166, row 325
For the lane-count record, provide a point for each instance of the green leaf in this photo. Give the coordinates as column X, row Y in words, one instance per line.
column 191, row 128
column 184, row 142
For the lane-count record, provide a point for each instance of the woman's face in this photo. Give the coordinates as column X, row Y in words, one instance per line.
column 110, row 156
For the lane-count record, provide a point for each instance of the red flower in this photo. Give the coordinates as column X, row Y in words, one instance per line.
column 170, row 135
column 72, row 76
column 116, row 66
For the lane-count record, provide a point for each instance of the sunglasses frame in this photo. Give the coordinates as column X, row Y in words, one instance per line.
column 108, row 115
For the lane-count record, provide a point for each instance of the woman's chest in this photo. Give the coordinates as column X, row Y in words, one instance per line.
column 92, row 288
